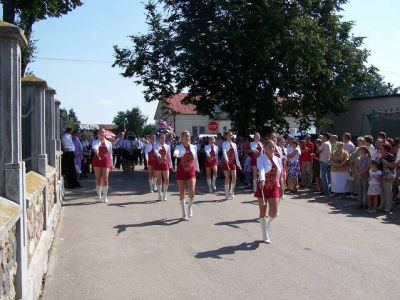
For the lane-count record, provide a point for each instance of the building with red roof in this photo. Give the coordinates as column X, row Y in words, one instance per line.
column 183, row 116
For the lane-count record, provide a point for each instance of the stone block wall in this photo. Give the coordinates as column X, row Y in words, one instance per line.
column 8, row 264
column 35, row 189
column 52, row 187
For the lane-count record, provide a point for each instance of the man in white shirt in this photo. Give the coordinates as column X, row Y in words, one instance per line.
column 324, row 154
column 68, row 148
column 348, row 144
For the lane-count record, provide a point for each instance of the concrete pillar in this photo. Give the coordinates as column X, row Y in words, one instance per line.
column 58, row 125
column 12, row 168
column 51, row 126
column 33, row 91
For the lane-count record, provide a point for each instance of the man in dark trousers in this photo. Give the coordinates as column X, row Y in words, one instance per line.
column 69, row 159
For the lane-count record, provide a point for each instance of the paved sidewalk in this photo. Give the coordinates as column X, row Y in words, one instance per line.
column 137, row 248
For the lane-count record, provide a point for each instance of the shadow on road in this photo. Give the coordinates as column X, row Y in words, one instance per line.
column 162, row 222
column 235, row 224
column 228, row 250
column 347, row 206
column 123, row 204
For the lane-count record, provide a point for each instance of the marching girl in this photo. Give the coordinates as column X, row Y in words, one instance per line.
column 102, row 164
column 150, row 158
column 230, row 164
column 256, row 150
column 268, row 191
column 162, row 165
column 281, row 154
column 211, row 163
column 186, row 172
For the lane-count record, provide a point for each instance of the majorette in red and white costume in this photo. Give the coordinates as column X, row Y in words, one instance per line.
column 256, row 148
column 268, row 190
column 150, row 158
column 230, row 164
column 186, row 171
column 162, row 165
column 211, row 163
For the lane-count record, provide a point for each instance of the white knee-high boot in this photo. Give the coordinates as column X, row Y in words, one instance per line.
column 264, row 230
column 190, row 209
column 209, row 185
column 159, row 192
column 155, row 184
column 214, row 181
column 233, row 190
column 165, row 190
column 105, row 191
column 183, row 207
column 254, row 185
column 99, row 189
column 151, row 185
column 226, row 191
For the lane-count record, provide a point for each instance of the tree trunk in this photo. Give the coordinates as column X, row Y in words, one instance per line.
column 9, row 11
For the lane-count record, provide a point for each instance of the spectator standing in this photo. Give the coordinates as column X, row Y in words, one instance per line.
column 307, row 162
column 362, row 167
column 69, row 159
column 386, row 163
column 293, row 172
column 324, row 152
column 78, row 152
column 339, row 161
column 374, row 188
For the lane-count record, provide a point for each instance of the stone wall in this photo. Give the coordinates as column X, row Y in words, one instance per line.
column 8, row 264
column 35, row 187
column 52, row 187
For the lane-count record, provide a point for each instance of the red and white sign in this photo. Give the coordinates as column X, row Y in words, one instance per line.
column 213, row 126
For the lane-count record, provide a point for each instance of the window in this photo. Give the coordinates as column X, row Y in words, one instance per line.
column 201, row 130
column 195, row 131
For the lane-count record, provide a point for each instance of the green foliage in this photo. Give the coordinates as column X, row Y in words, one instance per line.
column 148, row 128
column 136, row 120
column 70, row 118
column 257, row 60
column 25, row 13
column 372, row 85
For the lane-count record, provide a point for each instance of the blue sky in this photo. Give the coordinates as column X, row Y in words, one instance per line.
column 97, row 92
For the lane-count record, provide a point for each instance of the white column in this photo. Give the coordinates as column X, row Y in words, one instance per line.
column 12, row 168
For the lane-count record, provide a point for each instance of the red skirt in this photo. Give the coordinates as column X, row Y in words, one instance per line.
column 101, row 163
column 161, row 166
column 182, row 174
column 152, row 161
column 269, row 192
column 212, row 163
column 232, row 166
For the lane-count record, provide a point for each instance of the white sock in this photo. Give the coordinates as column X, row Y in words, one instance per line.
column 98, row 190
column 233, row 189
column 165, row 190
column 155, row 183
column 209, row 184
column 105, row 190
column 190, row 209
column 159, row 191
column 151, row 185
column 214, row 180
column 182, row 203
column 254, row 185
column 226, row 190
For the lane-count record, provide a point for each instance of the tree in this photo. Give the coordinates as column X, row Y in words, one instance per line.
column 25, row 13
column 258, row 60
column 148, row 128
column 372, row 85
column 135, row 120
column 70, row 118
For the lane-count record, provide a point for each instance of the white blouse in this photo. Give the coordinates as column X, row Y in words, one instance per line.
column 167, row 148
column 254, row 145
column 264, row 165
column 207, row 150
column 226, row 146
column 148, row 148
column 96, row 144
column 296, row 156
column 180, row 152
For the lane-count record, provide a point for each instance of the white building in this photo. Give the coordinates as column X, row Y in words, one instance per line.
column 185, row 117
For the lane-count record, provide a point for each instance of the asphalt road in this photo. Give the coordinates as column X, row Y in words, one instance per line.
column 135, row 247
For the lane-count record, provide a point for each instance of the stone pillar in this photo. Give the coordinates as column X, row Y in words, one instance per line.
column 51, row 126
column 12, row 168
column 58, row 125
column 33, row 91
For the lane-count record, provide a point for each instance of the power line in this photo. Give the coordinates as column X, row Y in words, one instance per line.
column 76, row 60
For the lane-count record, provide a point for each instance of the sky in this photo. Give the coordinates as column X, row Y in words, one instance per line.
column 96, row 91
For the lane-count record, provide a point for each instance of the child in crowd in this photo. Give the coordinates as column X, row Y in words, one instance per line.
column 374, row 189
column 362, row 166
column 248, row 171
